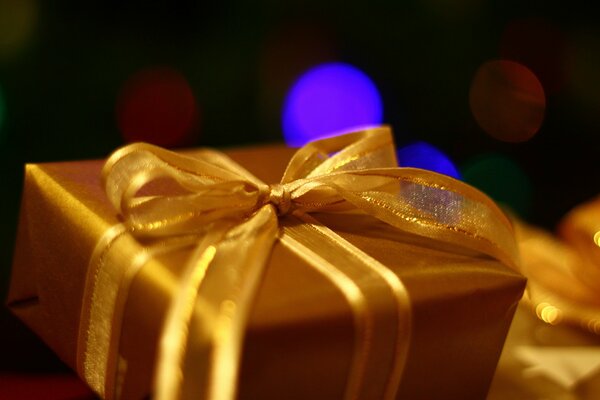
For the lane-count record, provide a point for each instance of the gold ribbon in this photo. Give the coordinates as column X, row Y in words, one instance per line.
column 233, row 220
column 563, row 271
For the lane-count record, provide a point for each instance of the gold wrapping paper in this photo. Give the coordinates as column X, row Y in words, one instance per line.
column 300, row 338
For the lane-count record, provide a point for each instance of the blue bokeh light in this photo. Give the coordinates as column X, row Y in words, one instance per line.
column 425, row 156
column 327, row 100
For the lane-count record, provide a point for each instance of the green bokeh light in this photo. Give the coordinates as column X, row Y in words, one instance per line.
column 501, row 179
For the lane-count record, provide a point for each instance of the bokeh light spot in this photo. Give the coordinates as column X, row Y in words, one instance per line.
column 549, row 313
column 17, row 23
column 327, row 100
column 158, row 106
column 597, row 238
column 289, row 49
column 502, row 179
column 538, row 44
column 425, row 156
column 507, row 101
column 593, row 325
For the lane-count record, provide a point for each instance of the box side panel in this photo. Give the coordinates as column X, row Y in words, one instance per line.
column 462, row 307
column 456, row 344
column 53, row 249
column 22, row 294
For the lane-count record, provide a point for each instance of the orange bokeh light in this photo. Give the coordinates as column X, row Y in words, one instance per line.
column 540, row 45
column 507, row 101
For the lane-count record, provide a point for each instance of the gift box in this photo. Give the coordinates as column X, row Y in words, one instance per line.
column 182, row 275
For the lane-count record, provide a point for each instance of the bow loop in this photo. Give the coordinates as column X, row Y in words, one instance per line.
column 369, row 148
column 356, row 172
column 161, row 193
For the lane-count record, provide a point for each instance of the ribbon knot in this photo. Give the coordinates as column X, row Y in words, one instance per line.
column 279, row 196
column 218, row 206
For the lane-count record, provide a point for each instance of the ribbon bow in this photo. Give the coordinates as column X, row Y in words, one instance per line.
column 232, row 217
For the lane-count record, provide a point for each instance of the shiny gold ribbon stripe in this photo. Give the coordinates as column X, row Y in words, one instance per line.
column 368, row 287
column 350, row 173
column 111, row 281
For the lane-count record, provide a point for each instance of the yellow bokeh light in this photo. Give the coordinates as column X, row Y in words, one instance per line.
column 597, row 238
column 549, row 313
column 594, row 326
column 17, row 23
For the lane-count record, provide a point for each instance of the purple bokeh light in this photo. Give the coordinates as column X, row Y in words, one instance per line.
column 329, row 99
column 425, row 156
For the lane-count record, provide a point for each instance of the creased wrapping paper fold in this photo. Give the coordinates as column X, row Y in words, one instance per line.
column 228, row 220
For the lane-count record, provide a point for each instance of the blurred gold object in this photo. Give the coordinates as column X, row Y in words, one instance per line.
column 564, row 271
column 544, row 361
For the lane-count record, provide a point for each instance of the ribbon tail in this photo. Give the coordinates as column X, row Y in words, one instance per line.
column 202, row 339
column 433, row 206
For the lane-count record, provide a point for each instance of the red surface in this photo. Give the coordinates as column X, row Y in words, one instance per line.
column 61, row 386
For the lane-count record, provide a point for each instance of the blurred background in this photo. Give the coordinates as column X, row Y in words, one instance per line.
column 504, row 95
